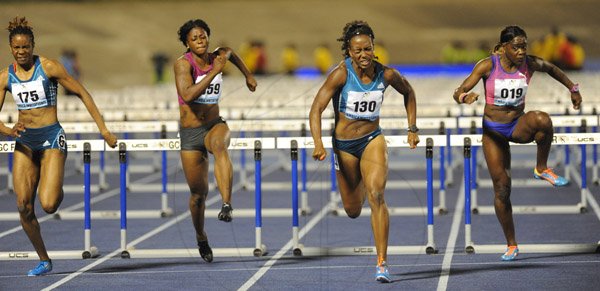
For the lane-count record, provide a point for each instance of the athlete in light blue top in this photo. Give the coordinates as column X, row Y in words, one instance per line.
column 40, row 150
column 357, row 85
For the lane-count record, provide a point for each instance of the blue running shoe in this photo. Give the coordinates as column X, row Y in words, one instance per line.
column 41, row 269
column 550, row 176
column 510, row 254
column 383, row 275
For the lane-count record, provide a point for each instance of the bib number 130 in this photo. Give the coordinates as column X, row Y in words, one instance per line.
column 364, row 106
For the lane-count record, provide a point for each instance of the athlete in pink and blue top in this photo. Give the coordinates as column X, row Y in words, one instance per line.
column 506, row 75
column 198, row 77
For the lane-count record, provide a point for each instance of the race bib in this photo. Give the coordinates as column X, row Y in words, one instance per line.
column 509, row 92
column 213, row 92
column 29, row 95
column 364, row 105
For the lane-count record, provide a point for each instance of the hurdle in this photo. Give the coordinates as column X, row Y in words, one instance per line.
column 393, row 141
column 89, row 251
column 581, row 121
column 257, row 144
column 466, row 141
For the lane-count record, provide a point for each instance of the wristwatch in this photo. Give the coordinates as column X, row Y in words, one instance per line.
column 575, row 88
column 413, row 128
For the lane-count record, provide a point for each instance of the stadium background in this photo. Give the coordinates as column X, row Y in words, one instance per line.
column 116, row 39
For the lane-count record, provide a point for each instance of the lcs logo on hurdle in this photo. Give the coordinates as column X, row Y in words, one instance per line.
column 363, row 250
column 18, row 255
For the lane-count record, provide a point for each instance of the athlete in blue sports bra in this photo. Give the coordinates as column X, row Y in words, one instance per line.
column 41, row 149
column 356, row 86
column 506, row 74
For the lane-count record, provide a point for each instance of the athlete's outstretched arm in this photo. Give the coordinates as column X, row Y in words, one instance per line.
column 539, row 64
column 335, row 80
column 481, row 69
column 403, row 87
column 55, row 69
column 230, row 55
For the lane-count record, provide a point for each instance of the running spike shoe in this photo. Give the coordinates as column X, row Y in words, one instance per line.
column 226, row 212
column 551, row 177
column 42, row 268
column 383, row 275
column 510, row 254
column 205, row 251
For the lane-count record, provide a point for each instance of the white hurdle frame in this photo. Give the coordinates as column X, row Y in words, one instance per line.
column 466, row 141
column 299, row 249
column 89, row 251
column 173, row 145
column 558, row 122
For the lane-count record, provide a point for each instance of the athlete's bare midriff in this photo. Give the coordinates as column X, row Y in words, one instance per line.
column 38, row 117
column 354, row 128
column 195, row 115
column 502, row 114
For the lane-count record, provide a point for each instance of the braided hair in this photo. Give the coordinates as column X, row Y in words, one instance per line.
column 508, row 33
column 188, row 26
column 352, row 29
column 20, row 25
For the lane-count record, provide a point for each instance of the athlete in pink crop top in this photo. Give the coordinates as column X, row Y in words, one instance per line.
column 506, row 74
column 198, row 77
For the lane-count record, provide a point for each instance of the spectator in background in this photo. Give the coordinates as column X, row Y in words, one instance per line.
column 290, row 59
column 159, row 60
column 571, row 54
column 70, row 61
column 549, row 48
column 455, row 53
column 381, row 54
column 323, row 58
column 482, row 51
column 255, row 57
column 261, row 58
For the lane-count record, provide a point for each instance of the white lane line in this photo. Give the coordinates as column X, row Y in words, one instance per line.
column 449, row 253
column 147, row 235
column 311, row 223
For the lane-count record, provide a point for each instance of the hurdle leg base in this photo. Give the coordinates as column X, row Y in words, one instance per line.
column 583, row 209
column 125, row 255
column 470, row 250
column 259, row 252
column 475, row 211
column 305, row 212
column 443, row 211
column 166, row 213
column 431, row 250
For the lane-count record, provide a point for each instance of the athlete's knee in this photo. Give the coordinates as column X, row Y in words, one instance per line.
column 50, row 207
column 25, row 209
column 376, row 198
column 353, row 212
column 542, row 119
column 198, row 199
column 218, row 145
